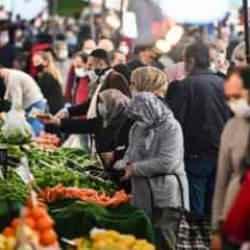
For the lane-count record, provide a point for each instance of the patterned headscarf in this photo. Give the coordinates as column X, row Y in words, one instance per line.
column 149, row 112
column 115, row 102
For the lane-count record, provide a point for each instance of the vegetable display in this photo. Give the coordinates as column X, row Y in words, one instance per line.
column 34, row 223
column 89, row 195
column 109, row 239
column 47, row 141
column 13, row 189
column 68, row 167
column 80, row 217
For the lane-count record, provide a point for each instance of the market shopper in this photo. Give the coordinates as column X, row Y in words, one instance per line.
column 233, row 148
column 49, row 80
column 106, row 78
column 23, row 93
column 62, row 60
column 150, row 79
column 144, row 56
column 154, row 160
column 7, row 50
column 239, row 56
column 89, row 46
column 110, row 127
column 79, row 78
column 199, row 105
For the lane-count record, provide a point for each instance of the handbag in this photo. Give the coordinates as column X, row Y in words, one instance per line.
column 193, row 232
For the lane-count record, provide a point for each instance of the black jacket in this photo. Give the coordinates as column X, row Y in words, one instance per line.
column 199, row 104
column 52, row 91
column 106, row 139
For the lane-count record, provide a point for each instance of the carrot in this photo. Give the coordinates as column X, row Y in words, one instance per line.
column 88, row 195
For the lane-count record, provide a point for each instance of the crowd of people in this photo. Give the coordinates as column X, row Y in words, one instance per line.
column 174, row 134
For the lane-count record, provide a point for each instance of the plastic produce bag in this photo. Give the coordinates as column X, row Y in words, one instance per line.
column 16, row 130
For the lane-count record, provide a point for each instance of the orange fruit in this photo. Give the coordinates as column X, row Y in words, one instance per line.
column 38, row 212
column 44, row 223
column 48, row 237
column 8, row 232
column 27, row 211
column 15, row 223
column 29, row 221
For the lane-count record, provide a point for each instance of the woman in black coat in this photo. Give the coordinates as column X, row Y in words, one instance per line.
column 49, row 81
column 110, row 129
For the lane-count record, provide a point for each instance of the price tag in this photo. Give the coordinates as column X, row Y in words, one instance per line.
column 24, row 172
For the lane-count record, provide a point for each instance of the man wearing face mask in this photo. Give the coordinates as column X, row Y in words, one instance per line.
column 199, row 105
column 7, row 50
column 102, row 77
column 62, row 61
column 234, row 149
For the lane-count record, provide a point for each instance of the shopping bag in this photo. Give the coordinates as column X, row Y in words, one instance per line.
column 16, row 129
column 193, row 232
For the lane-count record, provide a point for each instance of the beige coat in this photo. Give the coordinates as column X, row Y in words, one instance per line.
column 232, row 151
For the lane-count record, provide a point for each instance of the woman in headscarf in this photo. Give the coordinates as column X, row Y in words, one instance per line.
column 154, row 163
column 110, row 128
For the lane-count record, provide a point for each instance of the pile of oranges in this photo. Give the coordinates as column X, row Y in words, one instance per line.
column 36, row 218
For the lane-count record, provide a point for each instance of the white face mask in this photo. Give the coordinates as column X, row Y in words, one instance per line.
column 4, row 38
column 124, row 49
column 63, row 54
column 103, row 111
column 240, row 108
column 80, row 72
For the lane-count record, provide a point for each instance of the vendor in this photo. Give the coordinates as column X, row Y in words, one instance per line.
column 23, row 93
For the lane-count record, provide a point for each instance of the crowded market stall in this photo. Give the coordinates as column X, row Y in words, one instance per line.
column 55, row 195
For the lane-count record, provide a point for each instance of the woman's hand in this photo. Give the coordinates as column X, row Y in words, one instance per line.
column 129, row 171
column 51, row 121
column 62, row 114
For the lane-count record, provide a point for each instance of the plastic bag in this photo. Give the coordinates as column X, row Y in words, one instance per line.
column 16, row 130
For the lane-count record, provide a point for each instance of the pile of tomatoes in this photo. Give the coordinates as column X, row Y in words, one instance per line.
column 38, row 220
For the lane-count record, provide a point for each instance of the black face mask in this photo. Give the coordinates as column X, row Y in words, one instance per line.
column 40, row 68
column 99, row 72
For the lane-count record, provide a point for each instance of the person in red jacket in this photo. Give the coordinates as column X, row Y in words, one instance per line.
column 77, row 88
